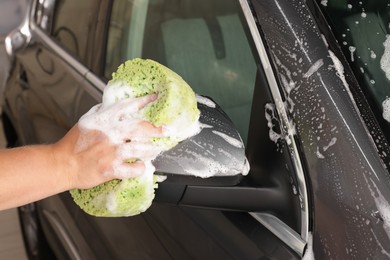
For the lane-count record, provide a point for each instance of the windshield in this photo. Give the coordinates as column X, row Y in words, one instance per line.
column 362, row 29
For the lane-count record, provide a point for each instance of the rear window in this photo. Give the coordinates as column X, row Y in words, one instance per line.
column 205, row 42
column 362, row 29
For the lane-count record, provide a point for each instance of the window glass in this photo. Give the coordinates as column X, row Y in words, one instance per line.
column 203, row 41
column 72, row 23
column 363, row 29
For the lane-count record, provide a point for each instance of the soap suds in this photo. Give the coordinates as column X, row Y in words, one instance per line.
column 120, row 115
column 230, row 140
column 205, row 101
column 352, row 50
column 309, row 252
column 386, row 109
column 271, row 117
column 385, row 60
column 314, row 68
column 111, row 202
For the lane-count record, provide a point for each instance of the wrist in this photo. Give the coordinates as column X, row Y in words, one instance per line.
column 65, row 165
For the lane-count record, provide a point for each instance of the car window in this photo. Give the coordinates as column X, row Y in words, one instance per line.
column 362, row 30
column 204, row 42
column 72, row 32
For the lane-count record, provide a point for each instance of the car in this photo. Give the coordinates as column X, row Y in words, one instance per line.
column 305, row 82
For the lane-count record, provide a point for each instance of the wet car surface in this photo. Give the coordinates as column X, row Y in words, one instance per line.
column 303, row 81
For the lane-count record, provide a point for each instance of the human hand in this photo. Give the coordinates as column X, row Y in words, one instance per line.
column 100, row 149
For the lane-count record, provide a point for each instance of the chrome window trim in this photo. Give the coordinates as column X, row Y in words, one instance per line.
column 282, row 231
column 286, row 126
column 96, row 81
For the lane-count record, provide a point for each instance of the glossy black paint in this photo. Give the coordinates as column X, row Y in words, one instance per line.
column 335, row 132
column 189, row 155
column 47, row 93
column 349, row 181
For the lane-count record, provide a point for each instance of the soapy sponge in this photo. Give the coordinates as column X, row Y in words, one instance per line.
column 117, row 198
column 175, row 108
column 175, row 96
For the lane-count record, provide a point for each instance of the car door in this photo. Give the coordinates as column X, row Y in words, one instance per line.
column 47, row 81
column 209, row 45
column 323, row 54
column 47, row 94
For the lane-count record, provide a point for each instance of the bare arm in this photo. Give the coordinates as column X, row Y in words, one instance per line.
column 32, row 173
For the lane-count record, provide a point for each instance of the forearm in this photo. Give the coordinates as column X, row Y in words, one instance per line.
column 31, row 173
column 81, row 159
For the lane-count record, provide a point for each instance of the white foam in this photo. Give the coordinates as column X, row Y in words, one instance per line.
column 270, row 115
column 205, row 101
column 385, row 60
column 309, row 252
column 235, row 142
column 331, row 143
column 118, row 116
column 381, row 203
column 386, row 109
column 115, row 92
column 205, row 165
column 314, row 68
column 111, row 203
column 352, row 50
column 372, row 54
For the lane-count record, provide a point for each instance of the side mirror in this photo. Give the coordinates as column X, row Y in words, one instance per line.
column 217, row 152
column 215, row 156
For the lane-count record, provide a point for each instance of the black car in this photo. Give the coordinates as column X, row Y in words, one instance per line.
column 305, row 82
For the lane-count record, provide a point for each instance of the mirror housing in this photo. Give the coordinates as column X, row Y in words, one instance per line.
column 217, row 151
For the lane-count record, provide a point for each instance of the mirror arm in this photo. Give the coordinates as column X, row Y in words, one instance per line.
column 249, row 199
column 236, row 198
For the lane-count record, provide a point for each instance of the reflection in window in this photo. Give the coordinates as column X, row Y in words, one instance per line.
column 72, row 23
column 203, row 41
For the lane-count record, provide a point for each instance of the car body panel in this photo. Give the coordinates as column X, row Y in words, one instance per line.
column 349, row 181
column 63, row 88
column 317, row 181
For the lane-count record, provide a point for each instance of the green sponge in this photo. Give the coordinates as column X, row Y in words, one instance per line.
column 175, row 96
column 117, row 198
column 176, row 102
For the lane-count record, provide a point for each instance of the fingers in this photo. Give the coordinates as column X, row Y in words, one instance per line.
column 131, row 158
column 143, row 129
column 115, row 134
column 129, row 105
column 128, row 170
column 137, row 150
column 143, row 101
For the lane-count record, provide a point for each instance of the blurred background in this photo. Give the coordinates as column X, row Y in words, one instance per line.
column 11, row 13
column 11, row 243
